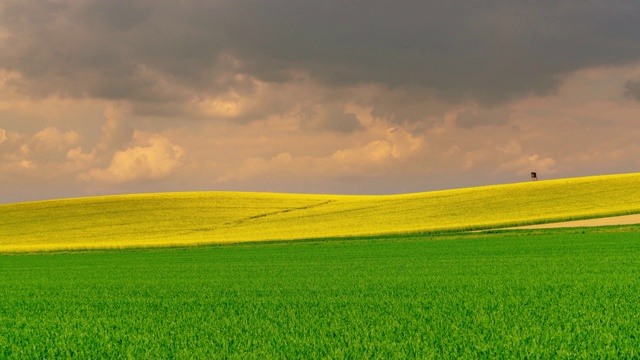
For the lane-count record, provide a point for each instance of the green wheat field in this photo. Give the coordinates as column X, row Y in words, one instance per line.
column 324, row 276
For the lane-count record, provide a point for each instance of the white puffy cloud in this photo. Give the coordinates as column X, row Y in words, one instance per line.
column 80, row 158
column 45, row 147
column 397, row 145
column 52, row 139
column 159, row 158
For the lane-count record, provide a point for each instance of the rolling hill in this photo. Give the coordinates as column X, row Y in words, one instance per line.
column 192, row 218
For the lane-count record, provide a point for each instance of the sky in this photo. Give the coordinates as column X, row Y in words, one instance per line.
column 350, row 97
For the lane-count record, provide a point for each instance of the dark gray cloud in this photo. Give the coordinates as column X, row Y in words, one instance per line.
column 469, row 119
column 489, row 52
column 632, row 89
column 486, row 51
column 123, row 50
column 332, row 118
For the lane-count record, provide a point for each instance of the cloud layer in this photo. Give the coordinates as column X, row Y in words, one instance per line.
column 322, row 96
column 163, row 51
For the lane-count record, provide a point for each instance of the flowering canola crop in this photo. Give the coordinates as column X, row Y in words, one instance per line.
column 193, row 218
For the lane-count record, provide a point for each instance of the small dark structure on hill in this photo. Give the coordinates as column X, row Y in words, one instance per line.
column 534, row 175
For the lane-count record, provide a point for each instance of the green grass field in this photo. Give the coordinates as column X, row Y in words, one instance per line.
column 508, row 294
column 171, row 219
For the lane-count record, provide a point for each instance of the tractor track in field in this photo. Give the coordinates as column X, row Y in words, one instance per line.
column 240, row 221
column 259, row 216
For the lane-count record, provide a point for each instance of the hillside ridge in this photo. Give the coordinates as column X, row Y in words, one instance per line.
column 193, row 218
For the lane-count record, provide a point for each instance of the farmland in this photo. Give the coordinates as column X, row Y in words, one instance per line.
column 176, row 219
column 324, row 276
column 568, row 293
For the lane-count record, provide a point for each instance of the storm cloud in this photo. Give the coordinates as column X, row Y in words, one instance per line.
column 170, row 51
column 632, row 89
column 376, row 96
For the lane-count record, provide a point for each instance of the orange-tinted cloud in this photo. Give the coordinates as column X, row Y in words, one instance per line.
column 156, row 159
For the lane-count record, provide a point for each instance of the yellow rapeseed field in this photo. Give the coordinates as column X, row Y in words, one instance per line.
column 191, row 218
